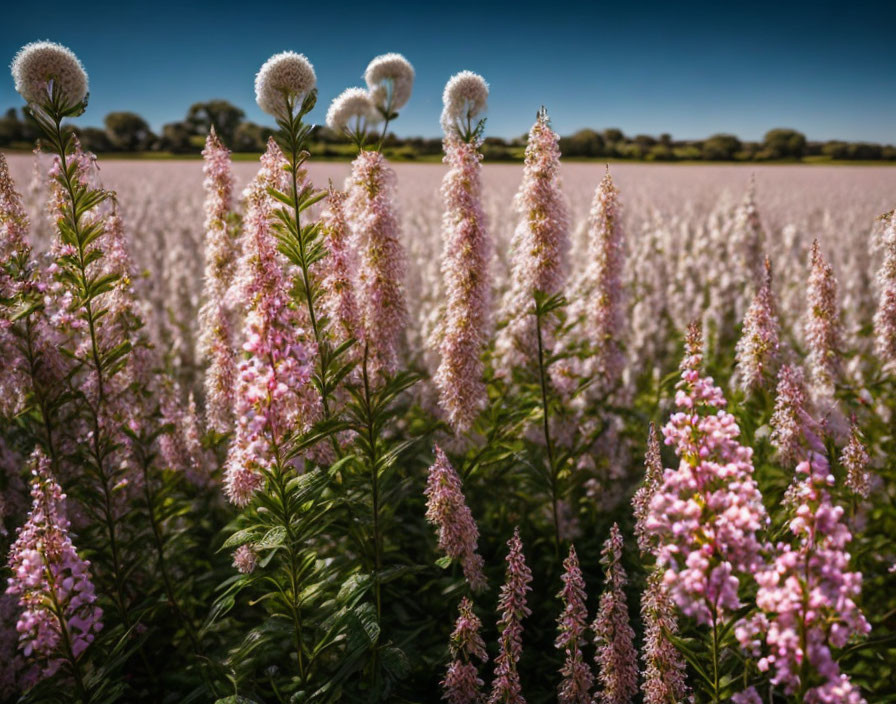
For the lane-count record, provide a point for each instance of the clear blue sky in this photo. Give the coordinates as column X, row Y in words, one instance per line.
column 691, row 69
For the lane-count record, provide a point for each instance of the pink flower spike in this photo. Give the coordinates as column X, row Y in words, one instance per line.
column 575, row 687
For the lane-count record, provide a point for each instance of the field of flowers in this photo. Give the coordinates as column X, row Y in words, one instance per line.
column 314, row 432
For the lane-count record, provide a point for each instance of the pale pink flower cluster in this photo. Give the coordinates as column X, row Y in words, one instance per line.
column 653, row 480
column 664, row 674
column 245, row 559
column 707, row 513
column 466, row 252
column 462, row 684
column 856, row 459
column 790, row 415
column 807, row 594
column 616, row 657
column 822, row 326
column 216, row 343
column 50, row 580
column 337, row 271
column 506, row 687
column 539, row 247
column 603, row 294
column 757, row 350
column 575, row 687
column 885, row 317
column 447, row 509
column 274, row 393
column 381, row 271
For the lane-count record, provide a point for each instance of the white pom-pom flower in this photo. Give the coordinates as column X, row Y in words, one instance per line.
column 39, row 65
column 284, row 75
column 465, row 98
column 390, row 78
column 352, row 109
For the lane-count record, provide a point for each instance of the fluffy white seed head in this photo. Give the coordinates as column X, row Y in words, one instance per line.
column 390, row 78
column 349, row 106
column 465, row 98
column 39, row 64
column 284, row 74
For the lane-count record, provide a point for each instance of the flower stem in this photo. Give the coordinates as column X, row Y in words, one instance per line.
column 549, row 443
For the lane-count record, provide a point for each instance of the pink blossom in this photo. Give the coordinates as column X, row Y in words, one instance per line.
column 512, row 606
column 790, row 415
column 539, row 248
column 856, row 459
column 707, row 513
column 577, row 678
column 822, row 326
column 462, row 684
column 616, row 657
column 465, row 261
column 245, row 559
column 447, row 509
column 338, row 270
column 664, row 675
column 757, row 350
column 50, row 580
column 381, row 272
column 216, row 344
column 885, row 317
column 653, row 479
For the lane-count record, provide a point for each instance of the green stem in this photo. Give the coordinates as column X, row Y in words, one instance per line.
column 715, row 657
column 542, row 374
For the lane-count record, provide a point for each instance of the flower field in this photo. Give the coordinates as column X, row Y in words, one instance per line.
column 288, row 431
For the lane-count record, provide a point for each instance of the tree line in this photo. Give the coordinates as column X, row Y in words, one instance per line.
column 128, row 132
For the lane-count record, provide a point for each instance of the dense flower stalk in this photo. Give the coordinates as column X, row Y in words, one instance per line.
column 274, row 394
column 822, row 326
column 465, row 261
column 885, row 317
column 664, row 678
column 807, row 594
column 746, row 240
column 462, row 684
column 337, row 285
column 790, row 414
column 540, row 246
column 447, row 509
column 216, row 343
column 616, row 657
column 59, row 617
column 757, row 350
column 572, row 624
column 707, row 513
column 856, row 459
column 381, row 271
column 653, row 480
column 512, row 606
column 603, row 295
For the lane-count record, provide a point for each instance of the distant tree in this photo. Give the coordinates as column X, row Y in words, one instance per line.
column 613, row 134
column 225, row 116
column 660, row 152
column 10, row 128
column 176, row 137
column 583, row 143
column 128, row 131
column 783, row 143
column 666, row 139
column 94, row 139
column 249, row 137
column 721, row 147
column 836, row 149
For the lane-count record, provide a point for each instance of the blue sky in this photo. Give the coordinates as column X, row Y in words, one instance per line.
column 690, row 69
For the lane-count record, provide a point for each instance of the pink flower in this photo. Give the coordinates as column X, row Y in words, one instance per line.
column 216, row 343
column 447, row 509
column 462, row 684
column 885, row 317
column 856, row 459
column 664, row 667
column 653, row 479
column 50, row 580
column 757, row 349
column 602, row 294
column 616, row 657
column 381, row 271
column 465, row 260
column 822, row 326
column 512, row 605
column 245, row 559
column 540, row 246
column 338, row 270
column 577, row 678
column 790, row 416
column 274, row 393
column 707, row 513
